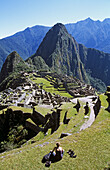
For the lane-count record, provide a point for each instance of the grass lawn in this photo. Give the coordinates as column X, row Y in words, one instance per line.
column 25, row 110
column 92, row 145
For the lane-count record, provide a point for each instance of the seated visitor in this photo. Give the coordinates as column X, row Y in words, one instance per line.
column 55, row 155
column 57, row 152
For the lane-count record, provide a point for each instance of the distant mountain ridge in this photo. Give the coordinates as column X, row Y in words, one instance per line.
column 25, row 42
column 93, row 34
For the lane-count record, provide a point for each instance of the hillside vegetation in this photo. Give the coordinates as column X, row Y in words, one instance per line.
column 91, row 145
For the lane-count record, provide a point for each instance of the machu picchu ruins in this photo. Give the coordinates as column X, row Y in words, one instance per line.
column 55, row 104
column 32, row 95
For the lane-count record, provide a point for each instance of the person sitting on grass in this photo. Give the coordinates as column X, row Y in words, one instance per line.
column 54, row 155
column 57, row 152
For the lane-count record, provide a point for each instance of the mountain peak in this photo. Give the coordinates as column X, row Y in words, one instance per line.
column 12, row 63
column 13, row 55
column 13, row 58
column 89, row 20
column 59, row 27
column 60, row 52
column 107, row 20
column 50, row 41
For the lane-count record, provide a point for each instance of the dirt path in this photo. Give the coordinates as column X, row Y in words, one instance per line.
column 89, row 122
column 91, row 119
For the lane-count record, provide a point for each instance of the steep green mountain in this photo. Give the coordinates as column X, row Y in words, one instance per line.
column 93, row 34
column 64, row 55
column 96, row 63
column 14, row 63
column 59, row 50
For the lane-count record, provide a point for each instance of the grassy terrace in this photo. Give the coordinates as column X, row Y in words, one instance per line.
column 92, row 145
column 48, row 86
column 25, row 110
column 43, row 110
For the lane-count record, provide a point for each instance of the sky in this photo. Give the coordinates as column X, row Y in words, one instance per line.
column 17, row 15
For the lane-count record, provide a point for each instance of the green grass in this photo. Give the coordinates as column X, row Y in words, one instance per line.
column 25, row 110
column 47, row 86
column 30, row 120
column 42, row 110
column 1, row 111
column 91, row 145
column 103, row 100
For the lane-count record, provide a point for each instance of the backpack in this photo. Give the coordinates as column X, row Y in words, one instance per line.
column 46, row 158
